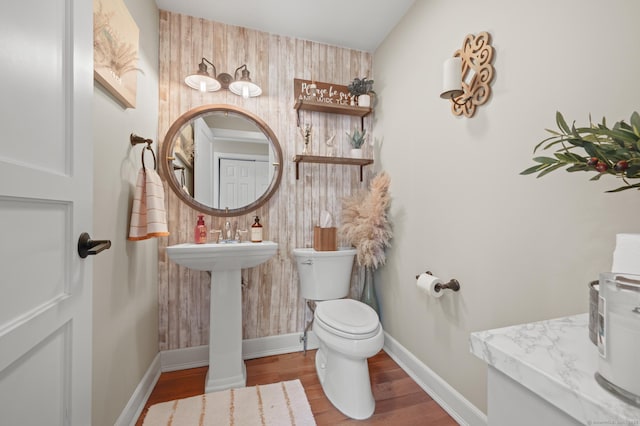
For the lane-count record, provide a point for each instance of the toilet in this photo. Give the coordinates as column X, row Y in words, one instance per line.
column 349, row 331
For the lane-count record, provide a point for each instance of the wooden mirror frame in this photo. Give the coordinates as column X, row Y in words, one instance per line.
column 166, row 160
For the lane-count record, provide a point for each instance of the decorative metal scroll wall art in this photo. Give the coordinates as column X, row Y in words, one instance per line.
column 476, row 75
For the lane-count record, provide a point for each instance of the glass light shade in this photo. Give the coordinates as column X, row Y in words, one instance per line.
column 246, row 89
column 200, row 81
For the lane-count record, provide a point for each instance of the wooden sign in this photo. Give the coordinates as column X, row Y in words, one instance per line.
column 328, row 93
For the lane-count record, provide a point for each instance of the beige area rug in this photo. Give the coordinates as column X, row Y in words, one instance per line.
column 283, row 403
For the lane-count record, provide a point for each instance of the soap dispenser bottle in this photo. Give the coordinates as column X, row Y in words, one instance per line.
column 256, row 231
column 200, row 232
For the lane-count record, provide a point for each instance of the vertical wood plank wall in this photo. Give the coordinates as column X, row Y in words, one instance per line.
column 271, row 304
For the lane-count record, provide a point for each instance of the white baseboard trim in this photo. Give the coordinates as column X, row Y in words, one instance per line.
column 198, row 356
column 141, row 394
column 182, row 359
column 276, row 345
column 458, row 407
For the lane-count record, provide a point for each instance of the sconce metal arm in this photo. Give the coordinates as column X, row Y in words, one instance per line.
column 202, row 67
column 244, row 69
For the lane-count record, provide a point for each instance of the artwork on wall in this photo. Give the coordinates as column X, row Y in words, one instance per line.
column 115, row 50
column 184, row 148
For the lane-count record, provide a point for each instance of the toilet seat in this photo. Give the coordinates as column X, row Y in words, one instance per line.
column 347, row 318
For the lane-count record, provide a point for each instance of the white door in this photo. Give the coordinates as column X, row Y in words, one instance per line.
column 46, row 85
column 237, row 183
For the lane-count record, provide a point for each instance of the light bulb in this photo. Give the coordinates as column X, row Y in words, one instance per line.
column 203, row 86
column 245, row 91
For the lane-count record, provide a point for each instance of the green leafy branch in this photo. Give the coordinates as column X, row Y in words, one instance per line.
column 606, row 151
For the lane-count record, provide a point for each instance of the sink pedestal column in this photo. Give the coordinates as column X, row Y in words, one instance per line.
column 226, row 366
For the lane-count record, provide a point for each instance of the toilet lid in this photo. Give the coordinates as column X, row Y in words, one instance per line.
column 348, row 316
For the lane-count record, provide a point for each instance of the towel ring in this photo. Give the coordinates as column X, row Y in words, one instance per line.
column 155, row 163
column 135, row 139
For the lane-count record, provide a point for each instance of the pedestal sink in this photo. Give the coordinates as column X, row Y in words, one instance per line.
column 226, row 366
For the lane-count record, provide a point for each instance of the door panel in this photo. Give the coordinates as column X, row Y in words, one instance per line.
column 239, row 181
column 41, row 228
column 46, row 370
column 35, row 82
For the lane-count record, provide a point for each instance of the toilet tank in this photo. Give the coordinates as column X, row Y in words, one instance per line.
column 324, row 275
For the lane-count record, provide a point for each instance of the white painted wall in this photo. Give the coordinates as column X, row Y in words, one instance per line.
column 125, row 324
column 522, row 248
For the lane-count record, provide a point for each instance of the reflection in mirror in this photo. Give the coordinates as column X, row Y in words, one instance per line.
column 222, row 160
column 232, row 168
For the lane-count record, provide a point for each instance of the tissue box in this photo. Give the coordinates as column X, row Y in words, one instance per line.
column 324, row 239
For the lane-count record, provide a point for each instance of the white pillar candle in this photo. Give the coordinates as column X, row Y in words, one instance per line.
column 451, row 75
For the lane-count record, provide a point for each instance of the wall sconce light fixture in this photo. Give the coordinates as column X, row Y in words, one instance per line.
column 468, row 75
column 243, row 86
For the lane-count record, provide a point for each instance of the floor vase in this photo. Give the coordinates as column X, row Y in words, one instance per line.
column 368, row 295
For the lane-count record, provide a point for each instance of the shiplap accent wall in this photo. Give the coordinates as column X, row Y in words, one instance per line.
column 271, row 304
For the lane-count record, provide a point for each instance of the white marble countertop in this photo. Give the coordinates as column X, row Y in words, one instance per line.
column 556, row 360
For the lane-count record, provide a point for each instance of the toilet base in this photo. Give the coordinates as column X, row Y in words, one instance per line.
column 345, row 382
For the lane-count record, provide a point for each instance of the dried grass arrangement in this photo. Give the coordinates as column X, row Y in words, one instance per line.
column 365, row 223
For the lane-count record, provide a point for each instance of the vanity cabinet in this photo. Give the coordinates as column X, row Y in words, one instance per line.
column 542, row 373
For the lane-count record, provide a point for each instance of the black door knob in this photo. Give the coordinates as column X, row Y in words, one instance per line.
column 87, row 246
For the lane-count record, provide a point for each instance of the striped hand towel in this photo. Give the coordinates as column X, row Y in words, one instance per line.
column 148, row 217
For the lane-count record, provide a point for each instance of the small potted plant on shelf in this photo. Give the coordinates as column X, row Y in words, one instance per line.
column 362, row 89
column 356, row 139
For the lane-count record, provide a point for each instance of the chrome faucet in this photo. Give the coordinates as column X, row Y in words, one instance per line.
column 230, row 232
column 227, row 230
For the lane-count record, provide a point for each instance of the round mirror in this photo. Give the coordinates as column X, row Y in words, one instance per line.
column 221, row 160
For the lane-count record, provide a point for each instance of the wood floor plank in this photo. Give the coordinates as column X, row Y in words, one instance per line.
column 399, row 400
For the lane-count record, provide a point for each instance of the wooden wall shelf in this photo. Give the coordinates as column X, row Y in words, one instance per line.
column 332, row 108
column 331, row 160
column 316, row 106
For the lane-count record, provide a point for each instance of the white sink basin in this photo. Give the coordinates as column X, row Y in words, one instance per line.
column 226, row 365
column 217, row 257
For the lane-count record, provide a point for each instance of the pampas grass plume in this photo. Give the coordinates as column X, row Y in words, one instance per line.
column 365, row 224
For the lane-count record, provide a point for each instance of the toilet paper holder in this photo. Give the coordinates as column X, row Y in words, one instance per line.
column 452, row 284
